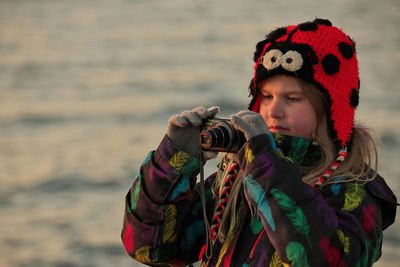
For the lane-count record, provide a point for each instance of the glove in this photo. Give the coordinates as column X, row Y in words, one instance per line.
column 250, row 123
column 184, row 130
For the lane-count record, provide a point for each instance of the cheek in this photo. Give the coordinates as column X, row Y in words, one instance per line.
column 304, row 122
column 263, row 112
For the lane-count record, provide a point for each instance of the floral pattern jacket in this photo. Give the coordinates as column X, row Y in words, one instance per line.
column 340, row 225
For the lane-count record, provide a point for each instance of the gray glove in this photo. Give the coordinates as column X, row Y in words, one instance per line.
column 184, row 130
column 250, row 123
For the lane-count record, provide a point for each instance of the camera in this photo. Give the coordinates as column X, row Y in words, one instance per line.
column 218, row 134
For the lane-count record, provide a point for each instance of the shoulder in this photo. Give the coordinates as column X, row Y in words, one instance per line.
column 380, row 190
column 354, row 197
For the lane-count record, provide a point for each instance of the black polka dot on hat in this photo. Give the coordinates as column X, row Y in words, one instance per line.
column 308, row 26
column 323, row 22
column 276, row 34
column 354, row 98
column 346, row 50
column 331, row 64
column 353, row 43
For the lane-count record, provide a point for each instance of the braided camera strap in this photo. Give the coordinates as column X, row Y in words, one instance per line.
column 223, row 199
column 339, row 160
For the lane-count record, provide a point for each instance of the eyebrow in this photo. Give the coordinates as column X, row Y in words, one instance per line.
column 263, row 91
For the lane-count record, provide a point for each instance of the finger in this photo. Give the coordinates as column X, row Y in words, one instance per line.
column 206, row 113
column 192, row 117
column 212, row 111
column 201, row 111
column 251, row 117
column 240, row 123
column 178, row 121
column 259, row 121
column 245, row 113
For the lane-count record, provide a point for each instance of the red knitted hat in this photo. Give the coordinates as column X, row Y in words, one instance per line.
column 322, row 55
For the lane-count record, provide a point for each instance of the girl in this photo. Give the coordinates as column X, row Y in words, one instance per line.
column 301, row 190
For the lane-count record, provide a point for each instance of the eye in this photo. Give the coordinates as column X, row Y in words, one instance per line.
column 267, row 96
column 272, row 59
column 292, row 61
column 293, row 99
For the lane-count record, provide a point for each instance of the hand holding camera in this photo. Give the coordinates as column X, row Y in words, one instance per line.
column 250, row 123
column 183, row 130
column 229, row 135
column 216, row 134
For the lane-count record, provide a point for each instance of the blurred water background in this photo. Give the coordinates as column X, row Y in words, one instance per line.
column 87, row 87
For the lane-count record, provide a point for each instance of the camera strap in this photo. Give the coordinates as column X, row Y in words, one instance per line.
column 212, row 231
column 208, row 246
column 223, row 198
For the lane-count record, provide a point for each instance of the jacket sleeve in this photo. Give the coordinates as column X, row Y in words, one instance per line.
column 163, row 222
column 341, row 225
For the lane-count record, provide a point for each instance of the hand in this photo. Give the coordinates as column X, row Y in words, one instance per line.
column 184, row 129
column 250, row 123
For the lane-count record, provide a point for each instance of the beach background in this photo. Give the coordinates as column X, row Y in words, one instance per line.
column 87, row 87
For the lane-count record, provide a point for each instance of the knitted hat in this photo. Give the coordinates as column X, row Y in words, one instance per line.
column 322, row 55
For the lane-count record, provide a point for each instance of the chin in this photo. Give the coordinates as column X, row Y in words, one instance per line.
column 283, row 133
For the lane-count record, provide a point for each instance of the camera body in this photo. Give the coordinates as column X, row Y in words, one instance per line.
column 218, row 134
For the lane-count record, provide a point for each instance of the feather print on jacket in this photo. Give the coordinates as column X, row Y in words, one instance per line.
column 295, row 225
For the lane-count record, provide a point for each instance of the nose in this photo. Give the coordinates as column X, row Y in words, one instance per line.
column 276, row 109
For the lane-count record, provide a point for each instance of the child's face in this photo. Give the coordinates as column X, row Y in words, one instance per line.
column 286, row 109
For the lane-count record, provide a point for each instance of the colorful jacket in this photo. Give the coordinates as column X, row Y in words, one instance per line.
column 340, row 225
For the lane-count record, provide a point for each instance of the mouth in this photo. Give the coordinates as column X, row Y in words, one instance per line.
column 278, row 129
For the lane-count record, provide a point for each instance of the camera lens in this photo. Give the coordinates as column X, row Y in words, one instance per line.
column 219, row 136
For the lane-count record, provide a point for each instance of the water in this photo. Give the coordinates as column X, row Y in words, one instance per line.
column 87, row 87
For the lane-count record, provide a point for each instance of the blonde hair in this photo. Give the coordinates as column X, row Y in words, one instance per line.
column 357, row 166
column 362, row 155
